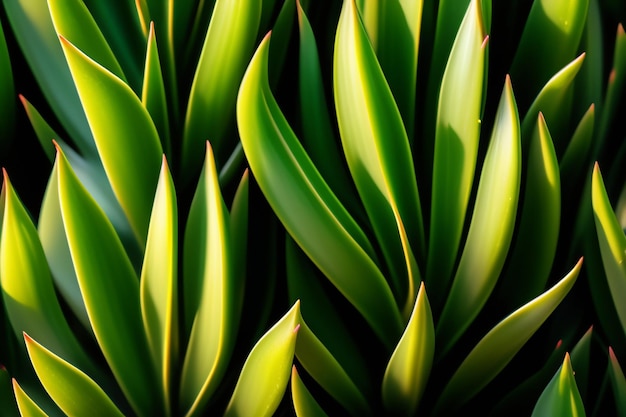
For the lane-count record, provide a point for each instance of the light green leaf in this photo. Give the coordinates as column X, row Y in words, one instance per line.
column 25, row 404
column 491, row 227
column 551, row 36
column 550, row 101
column 456, row 147
column 618, row 382
column 329, row 374
column 127, row 140
column 227, row 48
column 27, row 289
column 105, row 275
column 71, row 389
column 375, row 144
column 35, row 34
column 265, row 374
column 306, row 206
column 561, row 396
column 303, row 402
column 538, row 229
column 612, row 244
column 499, row 346
column 74, row 22
column 159, row 283
column 208, row 292
column 153, row 93
column 408, row 369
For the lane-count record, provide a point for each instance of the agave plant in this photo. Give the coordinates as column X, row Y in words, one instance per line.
column 423, row 213
column 419, row 285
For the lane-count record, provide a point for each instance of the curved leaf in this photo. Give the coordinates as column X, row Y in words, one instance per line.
column 456, row 146
column 70, row 388
column 239, row 219
column 550, row 101
column 127, row 141
column 265, row 374
column 551, row 36
column 153, row 92
column 305, row 204
column 408, row 369
column 618, row 382
column 7, row 96
column 227, row 48
column 324, row 368
column 303, row 402
column 612, row 244
column 105, row 275
column 25, row 404
column 491, row 227
column 28, row 292
column 578, row 152
column 375, row 144
column 497, row 348
column 35, row 34
column 159, row 283
column 561, row 396
column 538, row 229
column 208, row 291
column 74, row 22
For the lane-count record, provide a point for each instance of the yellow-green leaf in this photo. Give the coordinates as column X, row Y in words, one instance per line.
column 561, row 397
column 456, row 146
column 71, row 389
column 408, row 369
column 25, row 404
column 265, row 374
column 159, row 283
column 491, row 227
column 303, row 402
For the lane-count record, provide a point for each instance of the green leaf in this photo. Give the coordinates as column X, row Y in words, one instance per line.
column 74, row 22
column 496, row 349
column 397, row 50
column 303, row 402
column 70, row 388
column 266, row 372
column 210, row 112
column 25, row 404
column 329, row 374
column 153, row 93
column 239, row 213
column 35, row 34
column 581, row 361
column 538, row 229
column 551, row 102
column 127, row 140
column 8, row 404
column 561, row 396
column 27, row 288
column 491, row 227
column 208, row 292
column 578, row 152
column 590, row 80
column 618, row 382
column 375, row 144
column 318, row 136
column 105, row 275
column 456, row 146
column 612, row 244
column 551, row 36
column 7, row 96
column 409, row 368
column 159, row 283
column 306, row 206
column 304, row 283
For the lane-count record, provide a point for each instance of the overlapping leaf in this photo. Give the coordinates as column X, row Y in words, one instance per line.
column 305, row 204
column 561, row 396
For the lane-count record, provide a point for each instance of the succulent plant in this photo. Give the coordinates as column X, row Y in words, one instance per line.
column 396, row 228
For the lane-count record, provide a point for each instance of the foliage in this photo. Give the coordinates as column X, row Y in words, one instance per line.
column 338, row 207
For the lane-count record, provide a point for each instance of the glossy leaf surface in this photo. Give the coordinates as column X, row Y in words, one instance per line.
column 561, row 396
column 304, row 403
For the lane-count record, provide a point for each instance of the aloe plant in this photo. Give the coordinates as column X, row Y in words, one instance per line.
column 425, row 197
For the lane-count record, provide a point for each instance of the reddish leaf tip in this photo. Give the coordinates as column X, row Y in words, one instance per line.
column 485, row 41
